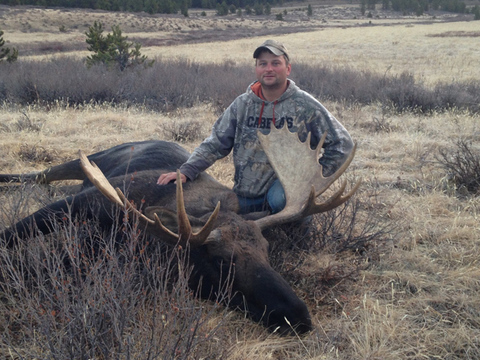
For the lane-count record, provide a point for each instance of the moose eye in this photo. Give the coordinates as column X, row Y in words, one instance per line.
column 224, row 265
column 219, row 261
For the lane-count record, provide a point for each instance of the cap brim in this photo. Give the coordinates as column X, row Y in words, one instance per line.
column 275, row 51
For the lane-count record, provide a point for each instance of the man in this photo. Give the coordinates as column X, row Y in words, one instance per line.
column 272, row 100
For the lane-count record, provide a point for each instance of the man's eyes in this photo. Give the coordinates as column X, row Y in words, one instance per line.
column 273, row 64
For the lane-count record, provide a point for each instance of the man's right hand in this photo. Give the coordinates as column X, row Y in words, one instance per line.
column 166, row 178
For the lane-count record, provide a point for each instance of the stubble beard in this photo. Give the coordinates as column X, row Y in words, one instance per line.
column 271, row 86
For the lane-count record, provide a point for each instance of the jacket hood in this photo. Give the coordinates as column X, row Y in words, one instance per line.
column 291, row 89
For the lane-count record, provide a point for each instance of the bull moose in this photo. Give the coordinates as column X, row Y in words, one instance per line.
column 200, row 214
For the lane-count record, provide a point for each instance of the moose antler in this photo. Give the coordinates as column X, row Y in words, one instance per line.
column 296, row 166
column 185, row 233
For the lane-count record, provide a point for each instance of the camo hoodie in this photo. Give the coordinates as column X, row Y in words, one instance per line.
column 236, row 129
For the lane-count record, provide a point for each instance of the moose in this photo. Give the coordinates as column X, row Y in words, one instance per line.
column 201, row 215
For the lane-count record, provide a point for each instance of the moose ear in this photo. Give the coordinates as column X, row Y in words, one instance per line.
column 166, row 216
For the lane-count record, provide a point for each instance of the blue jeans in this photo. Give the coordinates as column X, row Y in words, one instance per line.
column 274, row 200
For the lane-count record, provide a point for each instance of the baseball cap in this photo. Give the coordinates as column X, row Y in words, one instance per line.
column 275, row 47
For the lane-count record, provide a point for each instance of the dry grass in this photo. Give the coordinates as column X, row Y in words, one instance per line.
column 387, row 44
column 419, row 298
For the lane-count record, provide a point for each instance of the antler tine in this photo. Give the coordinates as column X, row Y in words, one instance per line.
column 335, row 200
column 184, row 226
column 296, row 166
column 323, row 183
column 116, row 196
column 95, row 175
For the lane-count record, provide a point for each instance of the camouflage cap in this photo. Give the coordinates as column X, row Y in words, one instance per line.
column 273, row 46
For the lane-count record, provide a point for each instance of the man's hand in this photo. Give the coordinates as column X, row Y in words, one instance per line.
column 169, row 177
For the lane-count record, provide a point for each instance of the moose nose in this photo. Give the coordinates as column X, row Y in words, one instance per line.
column 278, row 307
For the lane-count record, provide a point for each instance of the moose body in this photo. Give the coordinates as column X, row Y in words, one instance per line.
column 134, row 168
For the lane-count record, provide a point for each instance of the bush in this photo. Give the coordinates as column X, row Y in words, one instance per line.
column 462, row 164
column 187, row 131
column 87, row 294
column 167, row 85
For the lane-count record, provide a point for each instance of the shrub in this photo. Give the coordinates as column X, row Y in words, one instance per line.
column 88, row 294
column 187, row 131
column 462, row 164
column 169, row 84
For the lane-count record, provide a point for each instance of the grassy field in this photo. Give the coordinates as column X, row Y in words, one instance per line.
column 417, row 295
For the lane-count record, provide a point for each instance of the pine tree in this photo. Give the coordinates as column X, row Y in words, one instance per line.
column 476, row 12
column 113, row 49
column 10, row 55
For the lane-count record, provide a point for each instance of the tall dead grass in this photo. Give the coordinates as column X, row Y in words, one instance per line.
column 412, row 295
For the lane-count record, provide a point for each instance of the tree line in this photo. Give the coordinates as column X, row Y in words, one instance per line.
column 418, row 7
column 174, row 6
column 149, row 6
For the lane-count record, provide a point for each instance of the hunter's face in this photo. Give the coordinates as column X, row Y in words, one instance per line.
column 272, row 70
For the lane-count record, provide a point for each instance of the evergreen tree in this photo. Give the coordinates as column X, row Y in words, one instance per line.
column 222, row 9
column 113, row 49
column 363, row 6
column 268, row 9
column 476, row 12
column 309, row 10
column 258, row 8
column 10, row 55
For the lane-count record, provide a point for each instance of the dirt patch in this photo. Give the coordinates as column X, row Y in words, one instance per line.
column 457, row 34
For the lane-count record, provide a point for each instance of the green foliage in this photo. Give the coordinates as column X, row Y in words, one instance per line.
column 420, row 6
column 8, row 54
column 279, row 17
column 476, row 12
column 184, row 7
column 148, row 6
column 268, row 9
column 309, row 10
column 222, row 9
column 258, row 8
column 113, row 49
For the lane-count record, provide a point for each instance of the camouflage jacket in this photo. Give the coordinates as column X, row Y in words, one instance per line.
column 236, row 129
